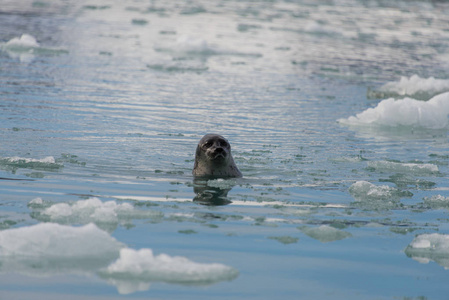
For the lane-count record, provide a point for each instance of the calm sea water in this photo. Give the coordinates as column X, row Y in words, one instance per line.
column 102, row 104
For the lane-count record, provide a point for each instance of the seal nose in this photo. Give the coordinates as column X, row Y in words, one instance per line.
column 219, row 150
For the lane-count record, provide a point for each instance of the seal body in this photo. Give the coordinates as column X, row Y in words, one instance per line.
column 213, row 158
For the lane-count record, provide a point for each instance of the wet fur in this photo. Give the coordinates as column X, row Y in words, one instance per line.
column 209, row 160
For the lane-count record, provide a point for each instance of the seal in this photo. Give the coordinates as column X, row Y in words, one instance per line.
column 213, row 158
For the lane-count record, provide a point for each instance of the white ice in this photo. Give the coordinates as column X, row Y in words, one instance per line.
column 408, row 168
column 47, row 249
column 143, row 265
column 365, row 191
column 95, row 210
column 58, row 241
column 22, row 47
column 427, row 247
column 431, row 114
column 36, row 201
column 416, row 85
column 45, row 160
column 26, row 41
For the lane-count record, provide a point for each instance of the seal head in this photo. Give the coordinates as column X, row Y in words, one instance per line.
column 213, row 158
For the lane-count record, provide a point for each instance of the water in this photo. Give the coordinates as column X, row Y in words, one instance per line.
column 344, row 194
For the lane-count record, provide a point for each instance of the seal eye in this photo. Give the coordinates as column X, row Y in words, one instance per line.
column 208, row 144
column 224, row 144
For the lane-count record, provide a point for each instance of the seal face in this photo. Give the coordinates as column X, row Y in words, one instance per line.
column 213, row 158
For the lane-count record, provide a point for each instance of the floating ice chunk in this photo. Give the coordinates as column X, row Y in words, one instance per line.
column 325, row 233
column 47, row 249
column 366, row 191
column 143, row 266
column 25, row 42
column 46, row 160
column 22, row 48
column 47, row 163
column 36, row 201
column 25, row 47
column 57, row 241
column 408, row 168
column 94, row 210
column 415, row 86
column 427, row 247
column 437, row 201
column 38, row 204
column 432, row 114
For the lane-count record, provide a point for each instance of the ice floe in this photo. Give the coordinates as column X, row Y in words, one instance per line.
column 143, row 266
column 408, row 168
column 437, row 201
column 325, row 233
column 415, row 86
column 106, row 215
column 408, row 112
column 47, row 249
column 26, row 47
column 46, row 163
column 376, row 197
column 25, row 42
column 364, row 190
column 430, row 247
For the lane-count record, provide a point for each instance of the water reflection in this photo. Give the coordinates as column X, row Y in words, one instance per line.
column 212, row 192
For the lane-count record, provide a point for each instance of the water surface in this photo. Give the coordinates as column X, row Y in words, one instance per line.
column 102, row 105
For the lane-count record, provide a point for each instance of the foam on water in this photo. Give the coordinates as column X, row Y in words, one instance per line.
column 415, row 86
column 432, row 114
column 142, row 265
column 430, row 247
